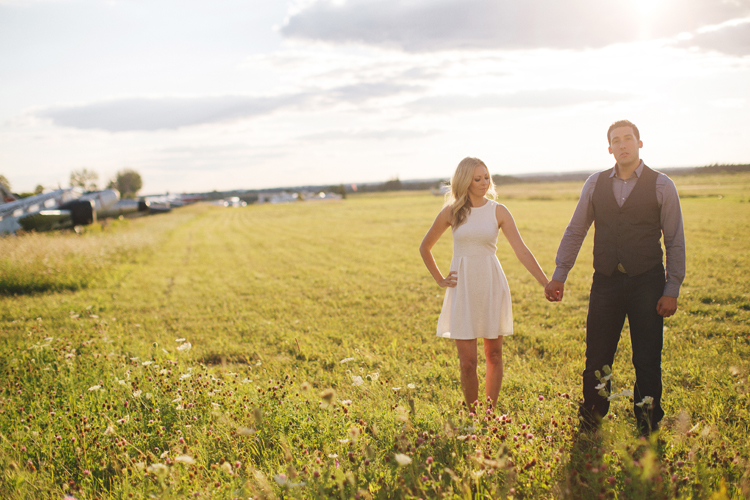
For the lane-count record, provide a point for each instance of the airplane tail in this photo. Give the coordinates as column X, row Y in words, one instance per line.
column 5, row 195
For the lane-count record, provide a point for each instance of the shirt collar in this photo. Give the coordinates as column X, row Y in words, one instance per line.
column 638, row 170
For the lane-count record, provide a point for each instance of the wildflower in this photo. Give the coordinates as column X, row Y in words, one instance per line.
column 185, row 459
column 411, row 386
column 343, row 441
column 184, row 347
column 333, row 455
column 354, row 433
column 305, row 386
column 95, row 388
column 124, row 420
column 137, row 394
column 346, row 402
column 179, row 340
column 227, row 467
column 346, row 360
column 158, row 469
column 373, row 376
column 216, row 405
column 647, row 400
column 402, row 459
column 245, row 431
column 135, row 359
column 184, row 376
column 328, row 396
column 281, row 479
column 177, row 399
column 109, row 430
column 357, row 380
column 541, row 398
column 396, row 389
column 146, row 363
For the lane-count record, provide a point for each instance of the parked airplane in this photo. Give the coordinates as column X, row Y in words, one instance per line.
column 57, row 209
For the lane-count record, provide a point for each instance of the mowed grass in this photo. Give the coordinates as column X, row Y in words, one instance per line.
column 289, row 351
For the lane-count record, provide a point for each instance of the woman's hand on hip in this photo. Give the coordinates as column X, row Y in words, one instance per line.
column 449, row 281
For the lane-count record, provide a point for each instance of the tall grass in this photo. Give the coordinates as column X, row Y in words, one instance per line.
column 41, row 262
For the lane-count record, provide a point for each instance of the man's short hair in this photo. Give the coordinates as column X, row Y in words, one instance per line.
column 623, row 123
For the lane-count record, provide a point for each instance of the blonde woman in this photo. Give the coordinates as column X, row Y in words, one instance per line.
column 477, row 300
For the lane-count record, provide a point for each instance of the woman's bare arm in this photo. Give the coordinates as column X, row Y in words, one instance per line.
column 524, row 255
column 442, row 222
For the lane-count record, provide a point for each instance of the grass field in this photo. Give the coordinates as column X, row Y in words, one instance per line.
column 289, row 352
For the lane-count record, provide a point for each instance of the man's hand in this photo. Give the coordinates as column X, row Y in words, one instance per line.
column 666, row 306
column 554, row 291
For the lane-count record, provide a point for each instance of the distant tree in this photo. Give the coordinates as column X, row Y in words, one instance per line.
column 39, row 189
column 128, row 182
column 340, row 189
column 5, row 182
column 391, row 185
column 84, row 178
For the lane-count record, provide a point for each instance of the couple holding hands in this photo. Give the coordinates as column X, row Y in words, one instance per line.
column 632, row 207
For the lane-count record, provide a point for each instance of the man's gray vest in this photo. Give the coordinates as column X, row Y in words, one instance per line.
column 629, row 235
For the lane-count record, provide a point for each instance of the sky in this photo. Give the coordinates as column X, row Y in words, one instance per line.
column 254, row 94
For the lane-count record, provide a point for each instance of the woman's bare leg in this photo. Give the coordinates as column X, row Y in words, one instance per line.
column 467, row 357
column 493, row 351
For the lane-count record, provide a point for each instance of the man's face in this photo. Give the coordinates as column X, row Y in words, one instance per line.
column 624, row 146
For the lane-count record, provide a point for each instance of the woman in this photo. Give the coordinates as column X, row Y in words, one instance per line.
column 477, row 300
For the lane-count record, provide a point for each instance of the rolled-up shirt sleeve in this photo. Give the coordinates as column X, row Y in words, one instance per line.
column 575, row 233
column 674, row 235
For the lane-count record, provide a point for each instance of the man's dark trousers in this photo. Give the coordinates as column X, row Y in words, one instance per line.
column 612, row 299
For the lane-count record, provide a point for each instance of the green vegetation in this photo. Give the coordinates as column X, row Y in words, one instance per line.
column 289, row 351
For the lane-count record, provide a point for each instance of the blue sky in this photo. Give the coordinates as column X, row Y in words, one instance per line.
column 261, row 93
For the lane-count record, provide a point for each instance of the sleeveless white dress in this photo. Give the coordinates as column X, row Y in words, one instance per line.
column 479, row 306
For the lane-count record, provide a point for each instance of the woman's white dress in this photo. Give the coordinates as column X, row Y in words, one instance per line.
column 479, row 306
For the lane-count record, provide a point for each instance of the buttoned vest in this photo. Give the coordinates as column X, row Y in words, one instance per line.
column 629, row 235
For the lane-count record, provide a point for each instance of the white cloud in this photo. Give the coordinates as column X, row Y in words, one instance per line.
column 523, row 99
column 149, row 114
column 437, row 25
column 729, row 38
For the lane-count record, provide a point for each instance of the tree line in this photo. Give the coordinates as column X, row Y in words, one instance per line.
column 127, row 181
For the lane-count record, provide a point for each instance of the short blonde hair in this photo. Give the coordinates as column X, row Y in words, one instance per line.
column 458, row 196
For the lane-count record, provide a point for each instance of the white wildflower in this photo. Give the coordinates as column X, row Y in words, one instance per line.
column 246, row 381
column 402, row 459
column 184, row 376
column 124, row 420
column 346, row 402
column 343, row 441
column 149, row 395
column 146, row 363
column 177, row 399
column 280, row 479
column 245, row 431
column 158, row 469
column 185, row 459
column 216, row 405
column 346, row 360
column 357, row 380
column 601, row 386
column 185, row 347
column 179, row 340
column 333, row 455
column 374, row 376
column 396, row 388
column 227, row 467
column 95, row 387
column 109, row 430
column 411, row 386
column 135, row 359
column 647, row 400
column 137, row 394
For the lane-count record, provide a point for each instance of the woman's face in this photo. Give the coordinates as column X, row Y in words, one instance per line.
column 480, row 182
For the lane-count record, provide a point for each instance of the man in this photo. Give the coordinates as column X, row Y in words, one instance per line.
column 631, row 206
